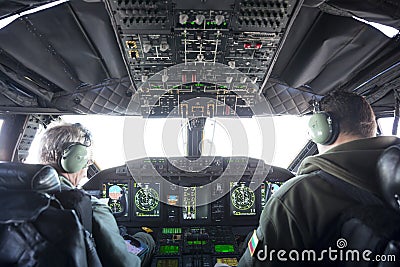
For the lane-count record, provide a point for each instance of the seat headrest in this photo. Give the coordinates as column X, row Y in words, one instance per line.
column 389, row 176
column 28, row 177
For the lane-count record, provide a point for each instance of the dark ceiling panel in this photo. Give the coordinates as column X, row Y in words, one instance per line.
column 96, row 25
column 75, row 58
column 55, row 38
column 334, row 50
column 285, row 100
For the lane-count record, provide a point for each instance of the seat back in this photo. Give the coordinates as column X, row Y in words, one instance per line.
column 389, row 176
column 372, row 225
column 389, row 180
column 35, row 230
column 19, row 177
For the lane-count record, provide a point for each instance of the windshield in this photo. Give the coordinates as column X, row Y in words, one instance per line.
column 386, row 126
column 113, row 136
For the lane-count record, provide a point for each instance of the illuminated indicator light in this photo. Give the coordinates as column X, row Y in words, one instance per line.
column 131, row 44
column 225, row 23
column 171, row 230
column 229, row 261
column 199, row 84
column 167, row 262
column 193, row 22
column 224, row 248
column 169, row 249
column 208, row 23
column 258, row 45
column 247, row 45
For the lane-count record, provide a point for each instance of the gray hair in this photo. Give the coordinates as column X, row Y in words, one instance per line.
column 57, row 138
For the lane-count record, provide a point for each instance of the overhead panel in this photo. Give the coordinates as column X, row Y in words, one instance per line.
column 244, row 35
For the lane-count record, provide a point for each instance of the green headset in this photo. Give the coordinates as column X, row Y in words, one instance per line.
column 75, row 155
column 74, row 158
column 322, row 127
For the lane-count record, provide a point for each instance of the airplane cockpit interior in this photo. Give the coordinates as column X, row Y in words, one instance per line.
column 239, row 64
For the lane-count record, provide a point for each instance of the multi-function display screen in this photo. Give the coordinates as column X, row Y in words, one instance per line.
column 147, row 199
column 190, row 200
column 267, row 190
column 274, row 186
column 243, row 199
column 117, row 194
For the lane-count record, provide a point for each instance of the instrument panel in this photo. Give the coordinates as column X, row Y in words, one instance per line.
column 199, row 209
column 170, row 48
column 246, row 35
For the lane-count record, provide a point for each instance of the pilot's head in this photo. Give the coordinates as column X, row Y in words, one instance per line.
column 351, row 118
column 66, row 147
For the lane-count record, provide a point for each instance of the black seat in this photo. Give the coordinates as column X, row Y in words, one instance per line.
column 28, row 177
column 34, row 229
column 374, row 223
column 389, row 180
column 389, row 176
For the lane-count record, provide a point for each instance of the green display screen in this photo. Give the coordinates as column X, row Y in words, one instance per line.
column 167, row 263
column 225, row 248
column 169, row 249
column 172, row 230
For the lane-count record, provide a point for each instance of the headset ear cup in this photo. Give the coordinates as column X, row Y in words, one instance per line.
column 335, row 131
column 322, row 128
column 74, row 158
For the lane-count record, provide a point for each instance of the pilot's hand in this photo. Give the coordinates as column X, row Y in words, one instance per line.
column 219, row 264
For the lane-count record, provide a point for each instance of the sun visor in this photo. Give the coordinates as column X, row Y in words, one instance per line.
column 329, row 58
column 35, row 43
column 383, row 12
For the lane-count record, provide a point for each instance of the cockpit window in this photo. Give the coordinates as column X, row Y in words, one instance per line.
column 386, row 30
column 9, row 19
column 113, row 137
column 386, row 126
column 290, row 137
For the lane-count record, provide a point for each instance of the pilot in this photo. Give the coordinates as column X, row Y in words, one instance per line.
column 73, row 141
column 305, row 208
